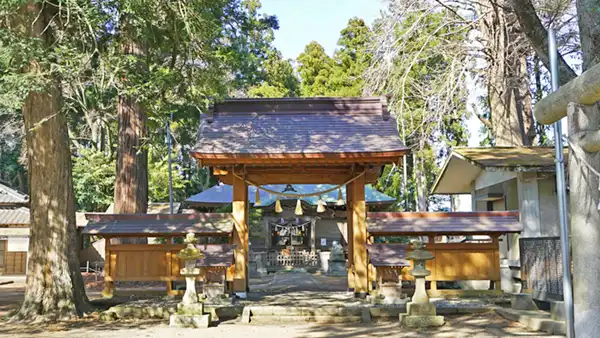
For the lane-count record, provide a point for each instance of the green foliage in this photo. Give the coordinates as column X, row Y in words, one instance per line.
column 315, row 68
column 93, row 180
column 256, row 227
column 351, row 59
column 279, row 79
column 341, row 75
column 248, row 38
column 94, row 177
column 158, row 178
column 172, row 56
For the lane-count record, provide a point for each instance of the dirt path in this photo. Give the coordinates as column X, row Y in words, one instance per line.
column 486, row 325
column 278, row 291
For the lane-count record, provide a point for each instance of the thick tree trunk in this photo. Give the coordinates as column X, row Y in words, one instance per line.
column 131, row 185
column 583, row 184
column 508, row 83
column 54, row 286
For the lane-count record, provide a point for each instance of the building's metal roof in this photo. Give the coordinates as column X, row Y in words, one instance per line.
column 223, row 195
column 299, row 126
column 388, row 254
column 158, row 224
column 428, row 223
column 14, row 216
column 10, row 196
column 216, row 255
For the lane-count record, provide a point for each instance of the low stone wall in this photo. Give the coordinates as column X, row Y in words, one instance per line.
column 163, row 309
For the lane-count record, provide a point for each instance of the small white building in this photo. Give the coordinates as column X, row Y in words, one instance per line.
column 507, row 178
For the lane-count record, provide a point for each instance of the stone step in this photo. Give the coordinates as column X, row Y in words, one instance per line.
column 305, row 319
column 522, row 301
column 536, row 320
column 288, row 311
column 326, row 314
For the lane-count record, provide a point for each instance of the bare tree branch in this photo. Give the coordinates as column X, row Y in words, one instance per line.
column 538, row 37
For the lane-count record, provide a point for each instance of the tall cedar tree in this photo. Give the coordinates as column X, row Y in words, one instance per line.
column 315, row 68
column 131, row 183
column 54, row 287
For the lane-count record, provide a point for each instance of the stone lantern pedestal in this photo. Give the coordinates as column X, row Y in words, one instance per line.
column 190, row 312
column 420, row 312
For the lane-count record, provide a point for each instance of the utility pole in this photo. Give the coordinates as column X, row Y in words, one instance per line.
column 561, row 192
column 169, row 144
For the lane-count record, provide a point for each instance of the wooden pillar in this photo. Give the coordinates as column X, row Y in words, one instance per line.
column 169, row 261
column 359, row 238
column 240, row 234
column 108, row 282
column 312, row 234
column 372, row 269
column 349, row 235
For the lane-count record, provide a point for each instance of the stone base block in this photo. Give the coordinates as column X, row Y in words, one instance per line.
column 522, row 301
column 246, row 315
column 413, row 321
column 557, row 310
column 192, row 321
column 190, row 309
column 419, row 309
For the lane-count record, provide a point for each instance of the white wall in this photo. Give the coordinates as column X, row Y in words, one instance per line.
column 550, row 223
column 18, row 244
column 490, row 178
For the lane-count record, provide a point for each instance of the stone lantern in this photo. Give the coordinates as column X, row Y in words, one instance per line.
column 190, row 312
column 190, row 254
column 420, row 312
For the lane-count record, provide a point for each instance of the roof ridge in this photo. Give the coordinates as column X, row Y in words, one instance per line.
column 376, row 105
column 10, row 191
column 505, row 147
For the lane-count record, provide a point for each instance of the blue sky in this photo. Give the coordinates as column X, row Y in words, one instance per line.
column 302, row 21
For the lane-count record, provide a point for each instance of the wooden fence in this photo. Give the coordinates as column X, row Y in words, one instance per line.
column 290, row 258
column 453, row 262
column 152, row 262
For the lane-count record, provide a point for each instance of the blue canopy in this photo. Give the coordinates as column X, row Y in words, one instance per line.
column 223, row 194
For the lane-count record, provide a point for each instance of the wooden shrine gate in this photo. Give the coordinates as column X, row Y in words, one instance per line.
column 344, row 141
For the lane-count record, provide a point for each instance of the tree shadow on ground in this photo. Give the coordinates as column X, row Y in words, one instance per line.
column 472, row 325
column 93, row 323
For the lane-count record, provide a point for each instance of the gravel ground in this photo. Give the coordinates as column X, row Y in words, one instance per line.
column 475, row 325
column 288, row 290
